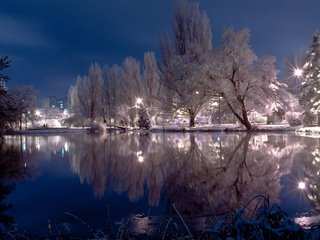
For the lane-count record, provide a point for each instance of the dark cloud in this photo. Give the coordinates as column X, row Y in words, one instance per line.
column 20, row 34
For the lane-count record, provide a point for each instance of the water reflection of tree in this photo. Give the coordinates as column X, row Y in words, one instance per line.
column 229, row 169
column 11, row 170
column 308, row 171
column 243, row 168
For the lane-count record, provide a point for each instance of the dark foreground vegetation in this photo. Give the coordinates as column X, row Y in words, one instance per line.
column 256, row 220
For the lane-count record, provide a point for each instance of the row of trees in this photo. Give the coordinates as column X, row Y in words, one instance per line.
column 112, row 92
column 191, row 75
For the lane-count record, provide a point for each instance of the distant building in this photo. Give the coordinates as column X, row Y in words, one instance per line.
column 58, row 102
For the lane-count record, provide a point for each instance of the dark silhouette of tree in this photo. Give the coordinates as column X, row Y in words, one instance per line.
column 11, row 170
column 4, row 96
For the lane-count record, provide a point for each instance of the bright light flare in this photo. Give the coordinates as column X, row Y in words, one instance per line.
column 139, row 100
column 302, row 185
column 298, row 72
column 37, row 112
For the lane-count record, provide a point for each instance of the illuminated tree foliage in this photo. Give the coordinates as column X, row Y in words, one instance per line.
column 86, row 95
column 310, row 85
column 182, row 57
column 245, row 81
column 143, row 117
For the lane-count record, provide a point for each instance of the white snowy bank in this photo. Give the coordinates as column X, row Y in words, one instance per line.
column 223, row 128
column 51, row 130
column 315, row 129
column 282, row 127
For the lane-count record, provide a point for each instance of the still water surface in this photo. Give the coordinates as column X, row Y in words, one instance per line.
column 101, row 178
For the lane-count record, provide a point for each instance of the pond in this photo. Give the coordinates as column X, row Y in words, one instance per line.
column 75, row 180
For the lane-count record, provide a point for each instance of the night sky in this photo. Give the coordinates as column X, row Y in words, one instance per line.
column 51, row 42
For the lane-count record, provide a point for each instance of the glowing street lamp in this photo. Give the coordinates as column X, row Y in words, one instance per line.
column 298, row 72
column 302, row 185
column 139, row 100
column 37, row 112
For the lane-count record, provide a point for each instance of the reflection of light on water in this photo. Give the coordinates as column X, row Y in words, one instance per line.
column 154, row 139
column 56, row 139
column 140, row 157
column 302, row 185
column 180, row 144
column 24, row 146
column 37, row 143
column 66, row 146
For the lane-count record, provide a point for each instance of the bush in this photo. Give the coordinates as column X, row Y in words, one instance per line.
column 294, row 118
column 308, row 117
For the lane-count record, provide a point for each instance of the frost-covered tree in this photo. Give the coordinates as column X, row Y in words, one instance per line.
column 151, row 81
column 182, row 57
column 245, row 81
column 143, row 117
column 113, row 78
column 310, row 85
column 132, row 86
column 89, row 92
column 77, row 118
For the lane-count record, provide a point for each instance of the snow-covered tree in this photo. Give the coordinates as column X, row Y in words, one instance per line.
column 182, row 57
column 151, row 79
column 89, row 92
column 143, row 117
column 246, row 82
column 132, row 86
column 310, row 85
column 77, row 118
column 113, row 79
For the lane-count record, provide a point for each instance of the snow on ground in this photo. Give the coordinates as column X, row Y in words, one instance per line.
column 224, row 127
column 315, row 129
column 51, row 130
column 201, row 128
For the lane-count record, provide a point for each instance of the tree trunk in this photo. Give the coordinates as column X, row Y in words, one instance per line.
column 192, row 117
column 192, row 121
column 246, row 121
column 244, row 118
column 20, row 122
column 318, row 118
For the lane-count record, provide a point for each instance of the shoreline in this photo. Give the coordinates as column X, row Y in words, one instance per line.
column 261, row 128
